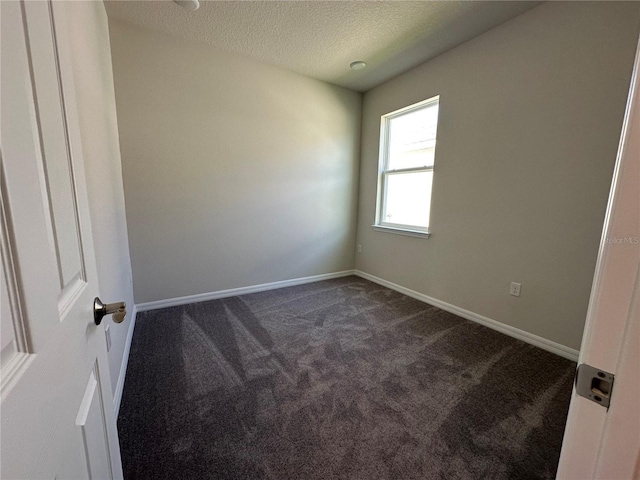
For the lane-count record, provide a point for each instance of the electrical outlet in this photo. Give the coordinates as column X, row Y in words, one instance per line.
column 107, row 334
column 359, row 248
column 515, row 289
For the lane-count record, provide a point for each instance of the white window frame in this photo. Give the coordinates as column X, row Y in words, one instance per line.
column 384, row 172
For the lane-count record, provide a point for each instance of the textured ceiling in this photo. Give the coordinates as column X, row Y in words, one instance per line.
column 321, row 38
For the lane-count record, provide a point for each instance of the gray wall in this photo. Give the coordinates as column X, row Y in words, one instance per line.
column 236, row 173
column 89, row 38
column 530, row 118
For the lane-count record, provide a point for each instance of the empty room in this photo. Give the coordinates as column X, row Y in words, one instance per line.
column 320, row 239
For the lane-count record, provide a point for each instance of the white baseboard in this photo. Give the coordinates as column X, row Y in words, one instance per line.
column 514, row 332
column 117, row 394
column 233, row 292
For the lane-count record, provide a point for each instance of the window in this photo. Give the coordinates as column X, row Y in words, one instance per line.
column 407, row 152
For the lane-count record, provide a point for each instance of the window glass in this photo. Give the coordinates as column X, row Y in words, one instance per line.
column 409, row 198
column 412, row 139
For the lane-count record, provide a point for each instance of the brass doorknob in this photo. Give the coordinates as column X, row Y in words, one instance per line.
column 118, row 310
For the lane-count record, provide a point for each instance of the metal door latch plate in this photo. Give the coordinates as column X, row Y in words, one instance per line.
column 594, row 384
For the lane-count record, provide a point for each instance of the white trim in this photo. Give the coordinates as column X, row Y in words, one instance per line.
column 414, row 106
column 233, row 292
column 514, row 332
column 117, row 394
column 383, row 162
column 401, row 231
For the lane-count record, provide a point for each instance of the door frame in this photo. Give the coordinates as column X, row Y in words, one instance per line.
column 595, row 434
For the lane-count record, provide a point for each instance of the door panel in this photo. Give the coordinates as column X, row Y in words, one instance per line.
column 57, row 409
column 600, row 442
column 9, row 349
column 56, row 149
column 14, row 354
column 95, row 438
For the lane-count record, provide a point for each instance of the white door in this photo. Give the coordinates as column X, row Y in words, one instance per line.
column 56, row 411
column 601, row 443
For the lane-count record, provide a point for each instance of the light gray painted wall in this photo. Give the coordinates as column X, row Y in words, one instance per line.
column 530, row 118
column 236, row 173
column 89, row 38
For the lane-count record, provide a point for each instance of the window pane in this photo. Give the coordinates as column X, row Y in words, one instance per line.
column 408, row 198
column 412, row 138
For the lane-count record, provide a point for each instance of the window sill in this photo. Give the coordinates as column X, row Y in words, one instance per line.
column 401, row 231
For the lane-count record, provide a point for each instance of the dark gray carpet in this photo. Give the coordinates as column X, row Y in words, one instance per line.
column 336, row 379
